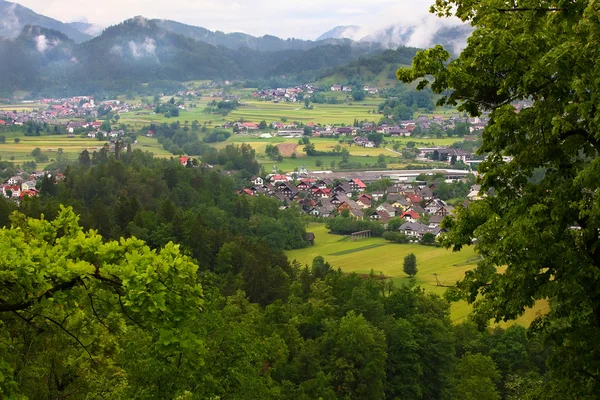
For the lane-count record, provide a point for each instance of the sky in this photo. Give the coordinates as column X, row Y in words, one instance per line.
column 305, row 19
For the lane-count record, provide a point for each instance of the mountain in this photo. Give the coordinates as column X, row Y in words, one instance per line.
column 139, row 51
column 87, row 28
column 14, row 17
column 239, row 40
column 343, row 32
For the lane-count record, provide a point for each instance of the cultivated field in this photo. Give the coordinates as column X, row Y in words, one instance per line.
column 434, row 264
column 71, row 147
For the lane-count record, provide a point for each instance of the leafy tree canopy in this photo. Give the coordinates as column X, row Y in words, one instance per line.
column 544, row 232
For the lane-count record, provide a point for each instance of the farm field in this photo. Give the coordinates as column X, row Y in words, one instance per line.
column 387, row 258
column 71, row 147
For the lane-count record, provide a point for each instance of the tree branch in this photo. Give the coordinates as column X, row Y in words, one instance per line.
column 73, row 336
column 519, row 9
column 6, row 307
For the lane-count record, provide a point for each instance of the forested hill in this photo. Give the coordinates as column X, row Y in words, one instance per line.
column 181, row 291
column 238, row 40
column 15, row 17
column 371, row 69
column 137, row 51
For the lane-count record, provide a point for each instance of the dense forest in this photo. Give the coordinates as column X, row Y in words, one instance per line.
column 120, row 311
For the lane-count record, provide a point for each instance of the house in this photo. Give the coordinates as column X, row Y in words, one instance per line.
column 435, row 221
column 388, row 209
column 15, row 180
column 249, row 126
column 448, row 155
column 410, row 216
column 357, row 185
column 278, row 178
column 414, row 198
column 474, row 194
column 28, row 193
column 336, row 88
column 338, row 199
column 184, row 160
column 416, row 208
column 346, row 89
column 393, row 197
column 305, row 184
column 344, row 130
column 432, row 206
column 417, row 230
column 358, row 214
column 257, row 180
column 322, row 193
column 28, row 185
column 13, row 190
column 381, row 216
column 426, row 193
column 412, row 229
column 287, row 189
column 378, row 195
column 343, row 188
column 365, row 200
column 443, row 211
column 323, row 183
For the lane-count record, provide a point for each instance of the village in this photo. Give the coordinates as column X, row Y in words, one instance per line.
column 406, row 198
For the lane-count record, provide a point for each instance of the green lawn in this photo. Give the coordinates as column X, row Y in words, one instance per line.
column 434, row 264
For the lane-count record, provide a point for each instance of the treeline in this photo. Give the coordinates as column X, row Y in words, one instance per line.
column 374, row 63
column 346, row 225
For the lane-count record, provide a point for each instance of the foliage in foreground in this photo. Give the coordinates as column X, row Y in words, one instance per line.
column 83, row 317
column 543, row 222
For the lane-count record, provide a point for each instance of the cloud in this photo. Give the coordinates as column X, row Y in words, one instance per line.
column 41, row 43
column 146, row 49
column 10, row 22
column 116, row 50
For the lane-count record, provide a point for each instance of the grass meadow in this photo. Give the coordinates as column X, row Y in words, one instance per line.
column 435, row 264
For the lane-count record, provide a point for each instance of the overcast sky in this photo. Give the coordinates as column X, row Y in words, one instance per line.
column 304, row 19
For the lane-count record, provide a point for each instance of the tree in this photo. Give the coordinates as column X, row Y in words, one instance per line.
column 548, row 249
column 17, row 140
column 477, row 376
column 36, row 152
column 2, row 139
column 263, row 125
column 410, row 265
column 358, row 95
column 308, row 131
column 105, row 126
column 72, row 320
column 84, row 158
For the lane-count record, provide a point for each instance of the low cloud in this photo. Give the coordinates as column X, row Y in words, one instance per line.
column 9, row 23
column 116, row 50
column 43, row 44
column 146, row 49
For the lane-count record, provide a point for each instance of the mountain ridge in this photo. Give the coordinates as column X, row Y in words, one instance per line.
column 15, row 17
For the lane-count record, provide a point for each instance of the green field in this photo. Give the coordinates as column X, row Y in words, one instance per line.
column 435, row 264
column 71, row 147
